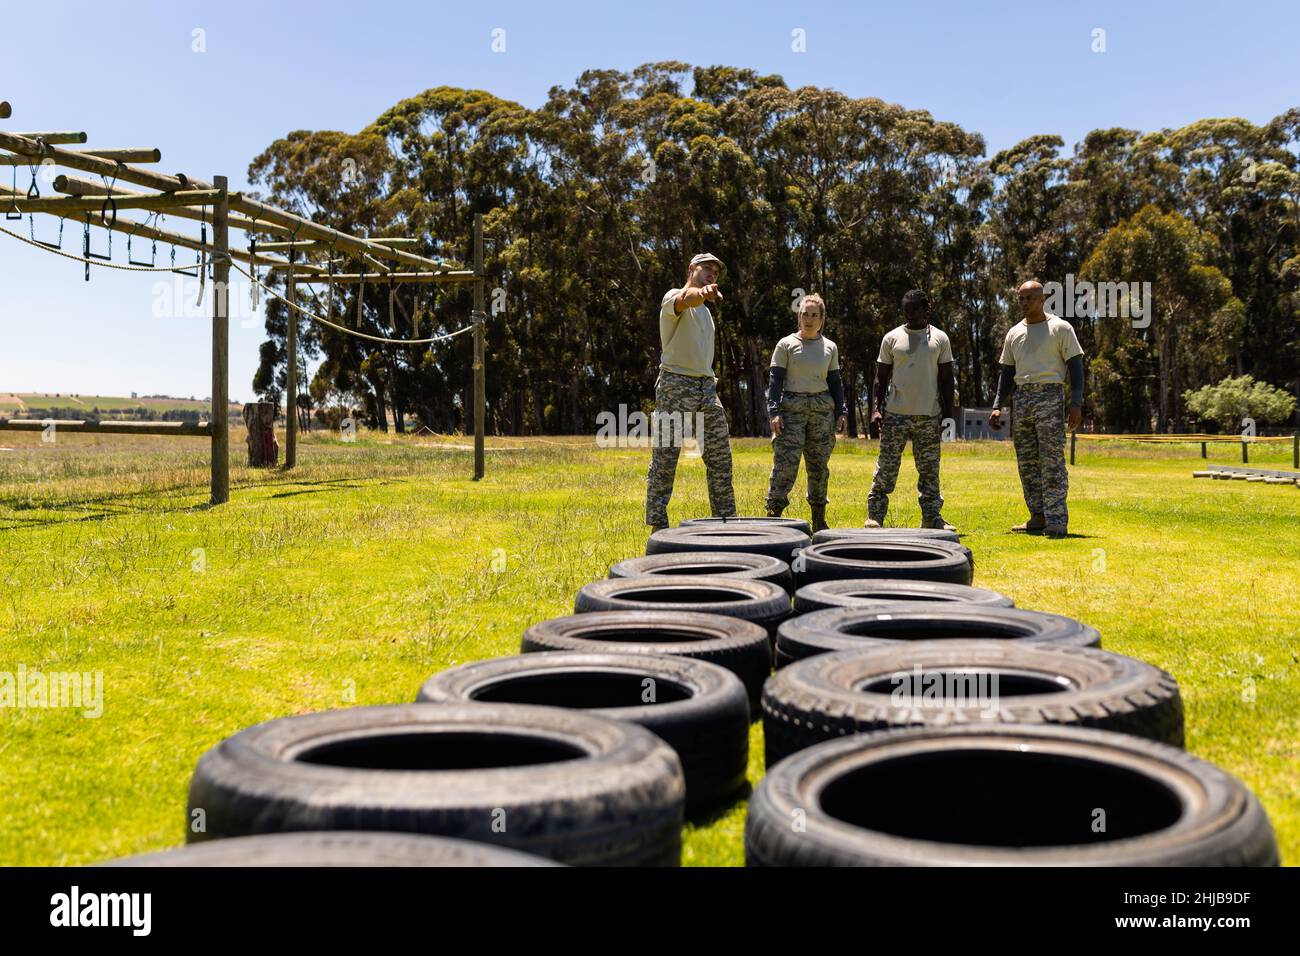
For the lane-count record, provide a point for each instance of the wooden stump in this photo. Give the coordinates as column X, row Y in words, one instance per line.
column 263, row 449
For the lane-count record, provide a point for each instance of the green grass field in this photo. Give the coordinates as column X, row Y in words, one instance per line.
column 377, row 563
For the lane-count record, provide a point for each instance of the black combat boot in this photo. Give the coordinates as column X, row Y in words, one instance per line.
column 818, row 518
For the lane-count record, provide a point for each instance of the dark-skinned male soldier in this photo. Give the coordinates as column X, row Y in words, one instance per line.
column 914, row 394
column 1039, row 353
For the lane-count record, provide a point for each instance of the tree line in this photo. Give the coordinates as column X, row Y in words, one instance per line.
column 595, row 202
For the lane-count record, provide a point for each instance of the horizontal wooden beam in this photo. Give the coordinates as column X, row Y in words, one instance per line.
column 68, row 205
column 116, row 155
column 103, row 167
column 307, row 229
column 381, row 278
column 313, row 244
column 106, row 427
column 58, row 137
column 76, row 186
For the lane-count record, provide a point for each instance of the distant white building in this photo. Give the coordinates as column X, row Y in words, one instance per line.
column 974, row 423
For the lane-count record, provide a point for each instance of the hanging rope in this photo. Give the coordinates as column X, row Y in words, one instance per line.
column 341, row 328
column 361, row 291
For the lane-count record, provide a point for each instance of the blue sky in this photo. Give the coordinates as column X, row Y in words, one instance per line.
column 1006, row 70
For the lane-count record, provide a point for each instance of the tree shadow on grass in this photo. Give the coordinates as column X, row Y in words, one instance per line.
column 117, row 505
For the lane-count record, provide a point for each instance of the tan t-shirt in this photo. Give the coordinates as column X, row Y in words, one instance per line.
column 1039, row 351
column 806, row 362
column 687, row 339
column 916, row 357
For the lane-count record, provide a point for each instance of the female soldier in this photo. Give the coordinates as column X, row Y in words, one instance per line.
column 805, row 399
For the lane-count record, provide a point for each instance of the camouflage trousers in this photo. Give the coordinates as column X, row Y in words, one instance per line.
column 807, row 429
column 681, row 402
column 1038, row 433
column 895, row 430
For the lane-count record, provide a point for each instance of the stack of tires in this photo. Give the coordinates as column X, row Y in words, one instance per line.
column 912, row 719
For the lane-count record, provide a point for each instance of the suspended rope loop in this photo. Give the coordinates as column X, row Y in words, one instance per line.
column 109, row 203
column 85, row 246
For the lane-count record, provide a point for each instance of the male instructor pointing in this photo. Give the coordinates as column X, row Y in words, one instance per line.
column 687, row 391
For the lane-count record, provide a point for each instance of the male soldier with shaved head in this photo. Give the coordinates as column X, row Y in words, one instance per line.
column 1038, row 354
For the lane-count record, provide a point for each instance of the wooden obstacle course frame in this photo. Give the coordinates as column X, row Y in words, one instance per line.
column 187, row 197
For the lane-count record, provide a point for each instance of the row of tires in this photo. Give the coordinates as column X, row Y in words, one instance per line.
column 619, row 721
column 832, row 554
column 607, row 779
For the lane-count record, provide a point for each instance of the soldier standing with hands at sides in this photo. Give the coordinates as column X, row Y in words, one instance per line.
column 1037, row 355
column 914, row 393
column 805, row 400
column 687, row 387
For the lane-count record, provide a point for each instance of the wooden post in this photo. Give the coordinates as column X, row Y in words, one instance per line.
column 221, row 345
column 1204, row 453
column 263, row 449
column 1074, row 437
column 291, row 376
column 1295, row 451
column 1245, row 457
column 480, row 394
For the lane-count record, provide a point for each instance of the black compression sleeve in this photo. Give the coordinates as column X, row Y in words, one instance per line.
column 1006, row 385
column 774, row 385
column 835, row 382
column 1075, row 367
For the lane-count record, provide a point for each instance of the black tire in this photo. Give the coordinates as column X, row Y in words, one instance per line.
column 568, row 786
column 850, row 628
column 855, row 692
column 842, row 534
column 742, row 647
column 798, row 524
column 762, row 602
column 727, row 564
column 908, row 537
column 1003, row 795
column 333, row 849
column 913, row 560
column 702, row 710
column 748, row 539
column 868, row 593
